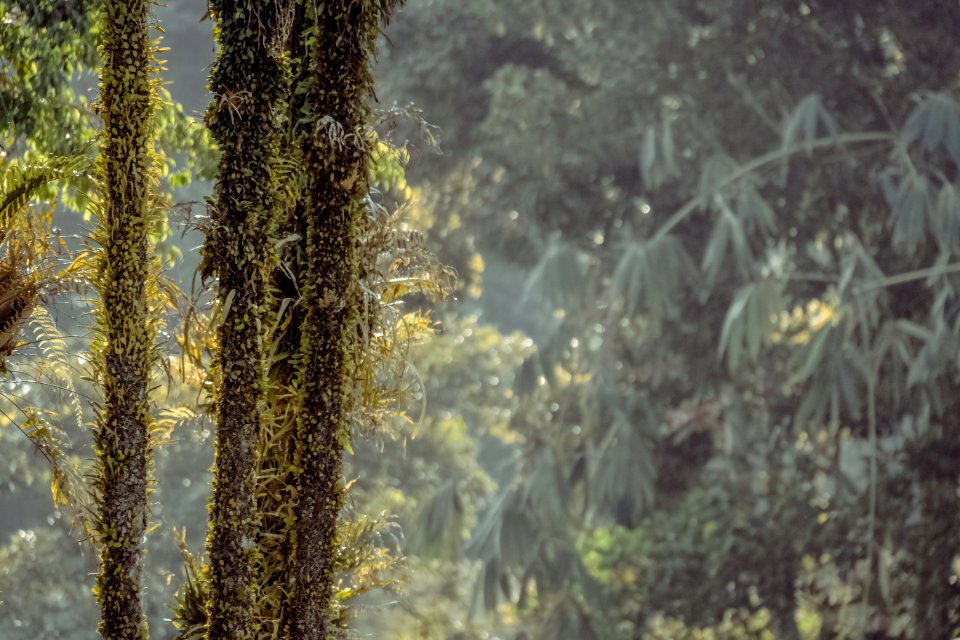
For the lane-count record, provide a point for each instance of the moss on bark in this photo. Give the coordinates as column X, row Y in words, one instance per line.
column 127, row 172
column 338, row 40
column 249, row 83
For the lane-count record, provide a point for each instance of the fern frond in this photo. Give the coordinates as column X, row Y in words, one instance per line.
column 56, row 357
column 19, row 184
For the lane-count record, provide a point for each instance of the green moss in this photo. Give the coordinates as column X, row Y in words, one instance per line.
column 335, row 45
column 127, row 170
column 249, row 82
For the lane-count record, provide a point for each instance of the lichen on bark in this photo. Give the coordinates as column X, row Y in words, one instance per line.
column 127, row 172
column 249, row 82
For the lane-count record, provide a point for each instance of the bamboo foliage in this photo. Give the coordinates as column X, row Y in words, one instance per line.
column 125, row 351
column 249, row 83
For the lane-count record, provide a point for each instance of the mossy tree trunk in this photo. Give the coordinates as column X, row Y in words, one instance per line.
column 338, row 42
column 249, row 84
column 127, row 172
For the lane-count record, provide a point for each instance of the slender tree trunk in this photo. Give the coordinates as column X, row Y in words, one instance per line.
column 276, row 487
column 338, row 38
column 127, row 169
column 249, row 85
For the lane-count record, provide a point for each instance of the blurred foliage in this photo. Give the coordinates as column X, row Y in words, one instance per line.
column 729, row 230
column 57, row 597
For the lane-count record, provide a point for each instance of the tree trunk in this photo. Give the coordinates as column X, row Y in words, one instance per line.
column 249, row 85
column 338, row 38
column 128, row 171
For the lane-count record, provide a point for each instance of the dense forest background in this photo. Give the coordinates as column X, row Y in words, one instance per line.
column 699, row 375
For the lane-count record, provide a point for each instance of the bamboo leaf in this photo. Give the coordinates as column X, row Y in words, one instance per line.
column 667, row 148
column 716, row 171
column 652, row 275
column 716, row 250
column 648, row 156
column 946, row 219
column 911, row 208
column 812, row 356
column 802, row 125
column 748, row 324
column 934, row 123
column 757, row 215
column 559, row 277
column 731, row 335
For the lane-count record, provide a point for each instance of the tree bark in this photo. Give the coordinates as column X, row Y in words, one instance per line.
column 128, row 172
column 249, row 83
column 338, row 41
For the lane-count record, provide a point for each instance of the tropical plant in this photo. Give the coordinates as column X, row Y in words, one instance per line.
column 724, row 258
column 244, row 119
column 127, row 321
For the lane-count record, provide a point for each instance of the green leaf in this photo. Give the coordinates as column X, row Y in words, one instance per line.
column 728, row 239
column 567, row 620
column 716, row 170
column 528, row 379
column 547, row 487
column 560, row 276
column 811, row 356
column 19, row 184
column 484, row 544
column 748, row 325
column 667, row 149
column 912, row 208
column 757, row 215
column 716, row 251
column 652, row 276
column 946, row 219
column 439, row 524
column 933, row 124
column 802, row 125
column 623, row 470
column 648, row 156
